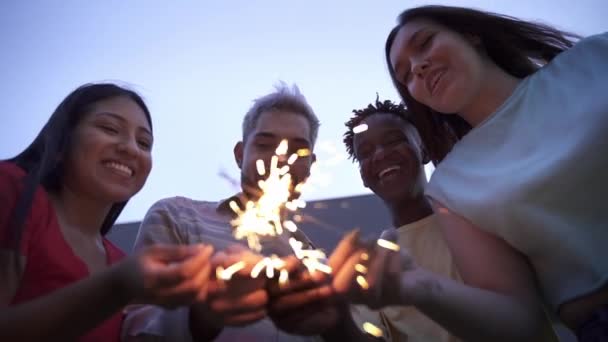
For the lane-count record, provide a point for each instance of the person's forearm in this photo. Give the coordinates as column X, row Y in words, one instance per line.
column 475, row 314
column 202, row 329
column 65, row 313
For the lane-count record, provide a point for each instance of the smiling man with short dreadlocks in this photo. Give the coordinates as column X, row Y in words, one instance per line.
column 391, row 158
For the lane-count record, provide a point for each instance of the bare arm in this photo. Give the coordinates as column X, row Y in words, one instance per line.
column 66, row 313
column 498, row 300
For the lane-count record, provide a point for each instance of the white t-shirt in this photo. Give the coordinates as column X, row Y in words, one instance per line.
column 534, row 172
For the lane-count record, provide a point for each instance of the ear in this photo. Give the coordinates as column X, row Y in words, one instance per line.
column 238, row 154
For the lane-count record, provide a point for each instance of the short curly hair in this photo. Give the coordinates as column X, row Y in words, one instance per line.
column 386, row 106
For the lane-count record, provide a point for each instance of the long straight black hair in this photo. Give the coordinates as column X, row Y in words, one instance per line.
column 518, row 47
column 43, row 159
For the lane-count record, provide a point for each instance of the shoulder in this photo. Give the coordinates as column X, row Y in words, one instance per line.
column 179, row 206
column 10, row 174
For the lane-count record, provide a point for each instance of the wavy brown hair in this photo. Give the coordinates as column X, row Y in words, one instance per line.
column 518, row 47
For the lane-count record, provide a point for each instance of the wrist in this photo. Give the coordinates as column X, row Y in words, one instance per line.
column 419, row 287
column 202, row 326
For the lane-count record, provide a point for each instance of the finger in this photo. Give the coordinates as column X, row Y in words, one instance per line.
column 196, row 263
column 301, row 283
column 173, row 253
column 345, row 248
column 344, row 278
column 235, row 305
column 303, row 298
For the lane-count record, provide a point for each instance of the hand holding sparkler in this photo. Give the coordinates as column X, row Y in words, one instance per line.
column 235, row 298
column 307, row 305
column 383, row 275
column 167, row 275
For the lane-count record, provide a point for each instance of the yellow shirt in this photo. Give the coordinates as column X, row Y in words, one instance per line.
column 424, row 241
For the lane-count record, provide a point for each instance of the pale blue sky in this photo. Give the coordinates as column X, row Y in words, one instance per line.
column 200, row 63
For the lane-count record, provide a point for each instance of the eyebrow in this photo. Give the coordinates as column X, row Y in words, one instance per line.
column 120, row 118
column 274, row 136
column 407, row 43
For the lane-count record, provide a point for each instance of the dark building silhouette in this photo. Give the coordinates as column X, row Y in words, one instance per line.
column 323, row 221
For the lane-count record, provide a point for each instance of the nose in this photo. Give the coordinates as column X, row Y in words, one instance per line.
column 380, row 153
column 128, row 146
column 420, row 68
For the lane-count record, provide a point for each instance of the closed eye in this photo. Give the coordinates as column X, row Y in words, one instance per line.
column 109, row 129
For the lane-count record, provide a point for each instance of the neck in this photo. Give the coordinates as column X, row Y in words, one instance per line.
column 497, row 87
column 79, row 212
column 409, row 210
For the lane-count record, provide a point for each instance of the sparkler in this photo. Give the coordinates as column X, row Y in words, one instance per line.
column 264, row 218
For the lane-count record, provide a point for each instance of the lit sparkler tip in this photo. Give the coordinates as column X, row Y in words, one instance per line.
column 283, row 170
column 303, row 152
column 362, row 282
column 372, row 329
column 260, row 166
column 282, row 148
column 388, row 245
column 360, row 128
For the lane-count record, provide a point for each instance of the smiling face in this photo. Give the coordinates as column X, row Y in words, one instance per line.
column 440, row 68
column 261, row 143
column 390, row 158
column 110, row 156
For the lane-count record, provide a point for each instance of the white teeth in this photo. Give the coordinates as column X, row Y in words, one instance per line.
column 387, row 170
column 120, row 167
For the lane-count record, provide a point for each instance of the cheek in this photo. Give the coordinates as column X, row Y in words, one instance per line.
column 146, row 164
column 417, row 91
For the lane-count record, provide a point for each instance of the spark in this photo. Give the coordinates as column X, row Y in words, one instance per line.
column 283, row 277
column 269, row 264
column 372, row 329
column 260, row 166
column 263, row 217
column 388, row 245
column 292, row 159
column 362, row 282
column 226, row 274
column 289, row 225
column 282, row 148
column 360, row 268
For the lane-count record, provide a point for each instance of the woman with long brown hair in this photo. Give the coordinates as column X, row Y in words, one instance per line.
column 514, row 116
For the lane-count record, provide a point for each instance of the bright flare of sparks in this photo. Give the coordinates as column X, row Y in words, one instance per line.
column 388, row 245
column 372, row 329
column 263, row 217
